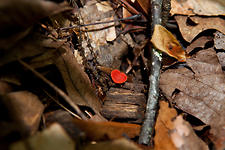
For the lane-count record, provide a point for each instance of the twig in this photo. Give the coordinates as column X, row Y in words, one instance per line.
column 147, row 130
column 58, row 90
column 103, row 22
column 61, row 105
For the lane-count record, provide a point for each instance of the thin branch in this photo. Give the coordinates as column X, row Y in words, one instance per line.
column 103, row 22
column 147, row 130
column 61, row 105
column 58, row 90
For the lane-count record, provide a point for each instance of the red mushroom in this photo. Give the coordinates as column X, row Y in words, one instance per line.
column 118, row 77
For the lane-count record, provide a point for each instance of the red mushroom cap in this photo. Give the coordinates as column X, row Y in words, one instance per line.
column 118, row 77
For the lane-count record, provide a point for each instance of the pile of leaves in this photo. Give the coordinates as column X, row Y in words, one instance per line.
column 55, row 74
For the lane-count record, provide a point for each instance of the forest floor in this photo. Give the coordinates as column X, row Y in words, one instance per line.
column 78, row 75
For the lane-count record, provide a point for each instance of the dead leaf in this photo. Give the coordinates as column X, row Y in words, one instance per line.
column 201, row 92
column 220, row 44
column 65, row 119
column 218, row 141
column 118, row 144
column 80, row 129
column 221, row 57
column 19, row 17
column 107, row 130
column 219, row 40
column 77, row 82
column 32, row 45
column 198, row 7
column 139, row 6
column 184, row 137
column 5, row 87
column 190, row 27
column 51, row 138
column 165, row 41
column 199, row 43
column 102, row 12
column 17, row 28
column 46, row 58
column 104, row 6
column 145, row 5
column 129, row 27
column 163, row 126
column 25, row 110
column 14, row 25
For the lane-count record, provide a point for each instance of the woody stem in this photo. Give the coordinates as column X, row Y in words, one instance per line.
column 147, row 130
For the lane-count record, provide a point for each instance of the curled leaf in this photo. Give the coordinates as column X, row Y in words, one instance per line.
column 165, row 41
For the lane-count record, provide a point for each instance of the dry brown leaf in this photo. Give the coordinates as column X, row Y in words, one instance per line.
column 118, row 144
column 221, row 57
column 51, row 138
column 219, row 40
column 21, row 14
column 199, row 43
column 19, row 18
column 107, row 130
column 104, row 6
column 219, row 43
column 198, row 7
column 198, row 24
column 218, row 142
column 184, row 137
column 132, row 7
column 30, row 46
column 165, row 41
column 101, row 11
column 145, row 5
column 5, row 87
column 163, row 125
column 16, row 28
column 77, row 82
column 46, row 58
column 24, row 109
column 139, row 6
column 201, row 92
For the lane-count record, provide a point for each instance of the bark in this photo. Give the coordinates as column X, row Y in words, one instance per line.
column 147, row 130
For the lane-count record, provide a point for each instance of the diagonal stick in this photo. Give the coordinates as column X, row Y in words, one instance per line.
column 58, row 90
column 147, row 130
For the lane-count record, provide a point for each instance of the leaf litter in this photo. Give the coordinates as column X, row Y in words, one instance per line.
column 34, row 35
column 197, row 25
column 184, row 137
column 198, row 7
column 163, row 126
column 200, row 90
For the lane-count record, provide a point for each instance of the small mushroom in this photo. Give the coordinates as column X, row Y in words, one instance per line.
column 118, row 77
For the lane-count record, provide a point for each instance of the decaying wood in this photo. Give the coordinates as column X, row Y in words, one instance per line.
column 128, row 103
column 137, row 87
